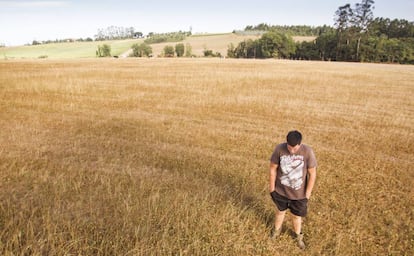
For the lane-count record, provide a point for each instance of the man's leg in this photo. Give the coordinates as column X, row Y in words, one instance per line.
column 281, row 203
column 297, row 226
column 279, row 217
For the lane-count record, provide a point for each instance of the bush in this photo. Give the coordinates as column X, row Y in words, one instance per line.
column 179, row 50
column 188, row 50
column 141, row 50
column 103, row 51
column 210, row 53
column 169, row 51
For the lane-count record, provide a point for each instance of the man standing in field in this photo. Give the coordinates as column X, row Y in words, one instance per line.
column 292, row 177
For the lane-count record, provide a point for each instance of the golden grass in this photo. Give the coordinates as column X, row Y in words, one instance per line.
column 170, row 156
column 217, row 43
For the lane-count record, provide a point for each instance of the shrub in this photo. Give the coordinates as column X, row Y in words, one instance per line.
column 210, row 53
column 103, row 51
column 188, row 50
column 168, row 51
column 179, row 50
column 141, row 50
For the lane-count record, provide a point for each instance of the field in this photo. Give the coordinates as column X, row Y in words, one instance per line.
column 171, row 156
column 199, row 43
column 64, row 50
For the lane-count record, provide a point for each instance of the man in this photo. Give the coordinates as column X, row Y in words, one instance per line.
column 292, row 177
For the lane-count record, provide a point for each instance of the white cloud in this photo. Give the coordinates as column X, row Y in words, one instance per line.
column 30, row 4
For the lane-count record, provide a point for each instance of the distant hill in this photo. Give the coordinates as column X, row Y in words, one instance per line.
column 199, row 43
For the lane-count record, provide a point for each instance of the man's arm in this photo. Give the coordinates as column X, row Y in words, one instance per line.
column 273, row 168
column 311, row 181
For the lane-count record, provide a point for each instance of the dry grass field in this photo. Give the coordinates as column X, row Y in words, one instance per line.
column 216, row 42
column 171, row 156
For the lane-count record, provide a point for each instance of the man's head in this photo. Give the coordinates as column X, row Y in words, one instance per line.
column 294, row 139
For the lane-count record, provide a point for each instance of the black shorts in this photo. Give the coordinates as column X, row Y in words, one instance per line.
column 297, row 207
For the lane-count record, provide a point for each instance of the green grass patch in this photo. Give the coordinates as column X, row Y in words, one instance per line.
column 65, row 50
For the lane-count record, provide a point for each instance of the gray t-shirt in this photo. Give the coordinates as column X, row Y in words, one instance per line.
column 292, row 170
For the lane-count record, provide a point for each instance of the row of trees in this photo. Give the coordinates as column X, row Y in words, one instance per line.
column 360, row 37
column 145, row 50
column 299, row 30
column 67, row 40
column 179, row 50
column 357, row 36
column 117, row 33
column 154, row 38
column 270, row 45
column 375, row 47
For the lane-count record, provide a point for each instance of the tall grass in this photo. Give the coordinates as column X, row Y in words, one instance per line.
column 170, row 157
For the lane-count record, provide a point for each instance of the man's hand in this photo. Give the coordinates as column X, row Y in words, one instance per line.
column 311, row 182
column 272, row 178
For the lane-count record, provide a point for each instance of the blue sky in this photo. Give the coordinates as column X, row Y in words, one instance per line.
column 22, row 21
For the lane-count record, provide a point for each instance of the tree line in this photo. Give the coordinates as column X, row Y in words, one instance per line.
column 117, row 33
column 297, row 30
column 356, row 36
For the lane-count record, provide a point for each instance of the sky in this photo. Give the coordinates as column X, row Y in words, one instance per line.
column 22, row 21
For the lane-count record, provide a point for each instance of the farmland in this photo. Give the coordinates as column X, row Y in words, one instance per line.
column 74, row 50
column 171, row 156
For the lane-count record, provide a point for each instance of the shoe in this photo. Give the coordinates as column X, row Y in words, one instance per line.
column 299, row 240
column 275, row 233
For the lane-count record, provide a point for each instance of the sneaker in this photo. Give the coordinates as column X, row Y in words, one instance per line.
column 275, row 233
column 299, row 240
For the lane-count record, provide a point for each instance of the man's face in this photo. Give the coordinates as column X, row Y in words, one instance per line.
column 293, row 149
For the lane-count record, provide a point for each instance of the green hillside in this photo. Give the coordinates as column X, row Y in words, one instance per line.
column 65, row 50
column 198, row 43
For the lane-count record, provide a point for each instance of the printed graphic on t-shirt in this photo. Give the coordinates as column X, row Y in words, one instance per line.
column 292, row 171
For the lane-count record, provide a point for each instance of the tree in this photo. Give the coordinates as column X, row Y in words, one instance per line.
column 270, row 45
column 141, row 50
column 306, row 51
column 391, row 28
column 352, row 28
column 168, row 51
column 138, row 35
column 210, row 53
column 343, row 20
column 363, row 15
column 326, row 45
column 362, row 18
column 103, row 51
column 231, row 51
column 179, row 49
column 244, row 49
column 113, row 32
column 188, row 50
column 274, row 44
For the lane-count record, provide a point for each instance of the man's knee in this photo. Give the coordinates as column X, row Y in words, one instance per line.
column 280, row 213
